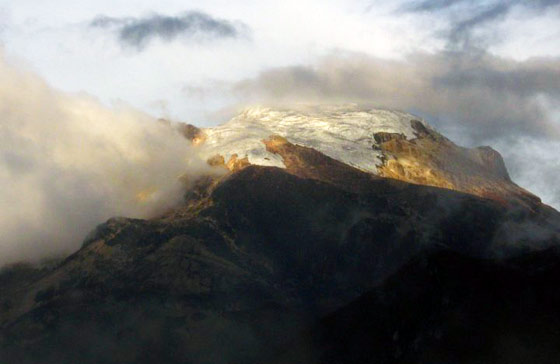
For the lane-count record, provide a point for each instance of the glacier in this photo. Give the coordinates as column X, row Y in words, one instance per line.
column 343, row 132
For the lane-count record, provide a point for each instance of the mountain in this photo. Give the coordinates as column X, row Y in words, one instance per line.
column 445, row 307
column 336, row 235
column 385, row 143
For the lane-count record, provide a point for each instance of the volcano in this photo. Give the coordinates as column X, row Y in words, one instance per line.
column 335, row 234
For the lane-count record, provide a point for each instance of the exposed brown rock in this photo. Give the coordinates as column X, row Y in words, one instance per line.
column 423, row 132
column 192, row 133
column 217, row 161
column 309, row 163
column 235, row 163
column 491, row 160
column 383, row 137
column 434, row 160
column 430, row 160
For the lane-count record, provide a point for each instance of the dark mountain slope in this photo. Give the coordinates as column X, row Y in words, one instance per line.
column 444, row 307
column 245, row 265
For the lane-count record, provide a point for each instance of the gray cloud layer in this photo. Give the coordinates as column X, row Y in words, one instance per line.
column 489, row 96
column 435, row 5
column 473, row 99
column 138, row 32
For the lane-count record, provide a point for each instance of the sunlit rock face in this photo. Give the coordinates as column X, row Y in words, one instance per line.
column 386, row 143
column 433, row 160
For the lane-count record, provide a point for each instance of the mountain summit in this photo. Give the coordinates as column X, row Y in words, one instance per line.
column 303, row 251
column 381, row 142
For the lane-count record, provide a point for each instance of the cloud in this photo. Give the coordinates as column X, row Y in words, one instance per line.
column 474, row 99
column 103, row 21
column 468, row 16
column 68, row 163
column 138, row 32
column 489, row 96
column 439, row 5
column 433, row 5
column 460, row 35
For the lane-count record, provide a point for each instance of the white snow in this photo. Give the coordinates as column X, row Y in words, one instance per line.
column 344, row 133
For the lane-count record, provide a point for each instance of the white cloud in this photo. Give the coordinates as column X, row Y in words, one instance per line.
column 68, row 163
column 54, row 38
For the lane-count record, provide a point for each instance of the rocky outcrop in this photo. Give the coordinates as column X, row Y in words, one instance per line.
column 431, row 159
column 491, row 160
column 191, row 133
column 382, row 137
column 233, row 164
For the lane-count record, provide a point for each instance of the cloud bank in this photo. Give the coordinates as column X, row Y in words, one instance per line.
column 68, row 163
column 138, row 32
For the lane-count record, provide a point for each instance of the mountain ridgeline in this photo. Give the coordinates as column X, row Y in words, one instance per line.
column 335, row 235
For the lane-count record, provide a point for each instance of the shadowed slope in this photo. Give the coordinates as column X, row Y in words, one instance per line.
column 248, row 262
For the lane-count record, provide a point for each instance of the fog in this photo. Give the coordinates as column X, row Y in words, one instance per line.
column 67, row 163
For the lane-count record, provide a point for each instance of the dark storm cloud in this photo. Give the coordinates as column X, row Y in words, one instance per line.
column 138, row 32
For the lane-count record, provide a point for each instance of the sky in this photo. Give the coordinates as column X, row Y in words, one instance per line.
column 483, row 72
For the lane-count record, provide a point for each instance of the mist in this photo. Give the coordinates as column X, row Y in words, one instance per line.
column 67, row 163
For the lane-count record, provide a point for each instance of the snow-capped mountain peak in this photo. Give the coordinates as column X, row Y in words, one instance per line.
column 385, row 143
column 345, row 133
